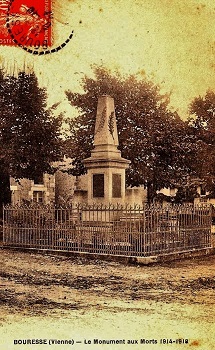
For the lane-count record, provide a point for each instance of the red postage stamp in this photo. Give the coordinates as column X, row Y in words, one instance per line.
column 25, row 22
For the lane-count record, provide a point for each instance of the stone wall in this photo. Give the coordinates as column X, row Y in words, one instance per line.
column 135, row 195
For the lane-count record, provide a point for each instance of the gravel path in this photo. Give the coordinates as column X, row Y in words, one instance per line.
column 60, row 298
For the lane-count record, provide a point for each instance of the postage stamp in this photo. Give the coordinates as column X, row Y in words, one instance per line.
column 26, row 22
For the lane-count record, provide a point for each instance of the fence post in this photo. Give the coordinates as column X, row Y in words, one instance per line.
column 3, row 225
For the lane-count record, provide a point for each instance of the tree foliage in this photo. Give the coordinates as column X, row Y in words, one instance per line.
column 202, row 123
column 29, row 134
column 154, row 139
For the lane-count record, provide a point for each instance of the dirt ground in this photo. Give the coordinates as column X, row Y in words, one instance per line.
column 105, row 305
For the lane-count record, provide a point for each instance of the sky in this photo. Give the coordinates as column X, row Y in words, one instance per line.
column 171, row 42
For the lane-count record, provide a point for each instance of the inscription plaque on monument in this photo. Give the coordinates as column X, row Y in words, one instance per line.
column 116, row 186
column 98, row 185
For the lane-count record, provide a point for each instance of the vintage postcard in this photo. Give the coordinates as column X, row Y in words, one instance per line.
column 107, row 176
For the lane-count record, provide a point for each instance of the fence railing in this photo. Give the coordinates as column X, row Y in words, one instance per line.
column 117, row 230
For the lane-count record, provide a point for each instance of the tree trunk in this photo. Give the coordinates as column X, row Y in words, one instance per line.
column 5, row 195
column 151, row 192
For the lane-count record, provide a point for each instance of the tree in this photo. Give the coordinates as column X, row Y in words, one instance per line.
column 7, row 88
column 149, row 134
column 29, row 133
column 202, row 122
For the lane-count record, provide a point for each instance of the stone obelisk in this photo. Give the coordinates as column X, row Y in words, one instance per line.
column 106, row 167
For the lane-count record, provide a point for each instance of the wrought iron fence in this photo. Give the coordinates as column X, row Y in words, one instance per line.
column 118, row 230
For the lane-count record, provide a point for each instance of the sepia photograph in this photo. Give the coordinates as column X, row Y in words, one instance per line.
column 107, row 174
